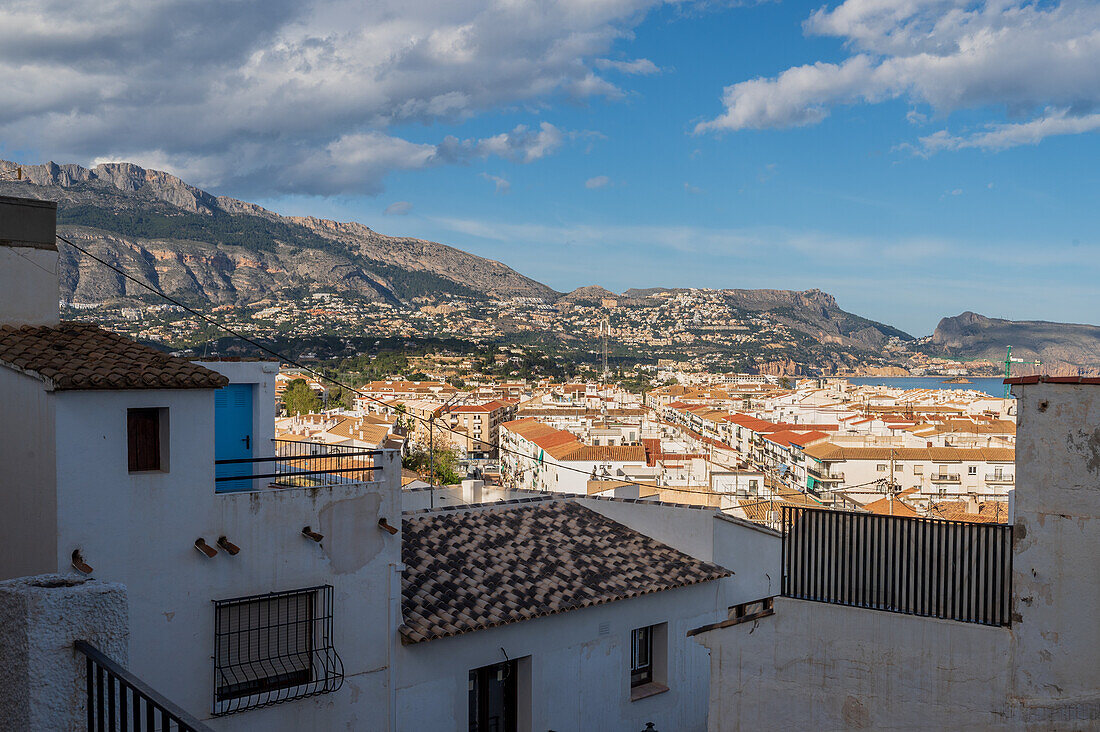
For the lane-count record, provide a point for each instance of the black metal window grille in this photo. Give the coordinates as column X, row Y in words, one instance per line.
column 274, row 648
column 954, row 570
column 641, row 656
column 116, row 700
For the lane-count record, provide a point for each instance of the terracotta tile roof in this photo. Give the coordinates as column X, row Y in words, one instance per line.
column 887, row 507
column 832, row 452
column 477, row 569
column 760, row 510
column 989, row 512
column 785, row 438
column 613, row 453
column 83, row 356
column 1053, row 380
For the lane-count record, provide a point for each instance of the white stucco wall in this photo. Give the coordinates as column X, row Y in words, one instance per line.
column 1056, row 558
column 28, row 286
column 139, row 529
column 580, row 679
column 828, row 667
column 42, row 679
column 28, row 498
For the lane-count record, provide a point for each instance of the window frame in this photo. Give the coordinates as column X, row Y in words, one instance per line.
column 641, row 673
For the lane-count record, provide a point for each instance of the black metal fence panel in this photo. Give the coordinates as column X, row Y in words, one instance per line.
column 955, row 570
column 117, row 701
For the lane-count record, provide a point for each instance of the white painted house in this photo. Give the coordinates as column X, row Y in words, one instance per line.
column 570, row 613
column 109, row 449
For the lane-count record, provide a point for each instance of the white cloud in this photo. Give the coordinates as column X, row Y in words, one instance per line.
column 502, row 185
column 834, row 250
column 247, row 94
column 598, row 182
column 639, row 66
column 1002, row 136
column 398, row 208
column 693, row 190
column 947, row 54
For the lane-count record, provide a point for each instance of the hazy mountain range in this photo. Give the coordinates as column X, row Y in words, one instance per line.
column 214, row 250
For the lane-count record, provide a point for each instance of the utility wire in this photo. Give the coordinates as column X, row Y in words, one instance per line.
column 339, row 383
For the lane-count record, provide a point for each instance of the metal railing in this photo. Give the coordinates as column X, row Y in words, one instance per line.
column 954, row 570
column 946, row 478
column 118, row 701
column 1002, row 478
column 824, row 474
column 297, row 463
column 274, row 648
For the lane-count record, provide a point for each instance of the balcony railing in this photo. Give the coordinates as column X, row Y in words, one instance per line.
column 946, row 478
column 999, row 478
column 297, row 463
column 942, row 569
column 118, row 700
column 825, row 475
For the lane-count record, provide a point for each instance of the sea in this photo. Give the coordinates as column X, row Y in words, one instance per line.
column 990, row 385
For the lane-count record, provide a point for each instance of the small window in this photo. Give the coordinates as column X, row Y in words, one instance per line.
column 972, row 470
column 918, row 470
column 648, row 661
column 273, row 648
column 641, row 656
column 143, row 439
column 881, row 467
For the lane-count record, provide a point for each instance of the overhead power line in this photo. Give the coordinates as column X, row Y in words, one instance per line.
column 320, row 375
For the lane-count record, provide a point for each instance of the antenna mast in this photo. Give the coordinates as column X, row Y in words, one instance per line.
column 605, row 331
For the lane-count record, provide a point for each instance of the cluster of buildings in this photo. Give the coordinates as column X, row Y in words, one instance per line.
column 173, row 555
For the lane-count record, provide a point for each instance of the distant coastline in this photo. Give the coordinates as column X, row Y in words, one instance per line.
column 992, row 385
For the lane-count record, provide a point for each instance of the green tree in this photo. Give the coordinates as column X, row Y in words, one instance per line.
column 446, row 464
column 299, row 398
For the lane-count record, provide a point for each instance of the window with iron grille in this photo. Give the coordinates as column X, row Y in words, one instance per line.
column 641, row 656
column 274, row 648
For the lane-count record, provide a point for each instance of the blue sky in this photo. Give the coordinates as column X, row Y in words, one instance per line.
column 914, row 159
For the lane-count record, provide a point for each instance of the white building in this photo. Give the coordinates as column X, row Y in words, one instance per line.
column 589, row 630
column 983, row 627
column 109, row 451
column 538, row 457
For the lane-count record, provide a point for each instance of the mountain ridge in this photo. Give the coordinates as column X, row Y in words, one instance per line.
column 136, row 216
column 1062, row 347
column 217, row 250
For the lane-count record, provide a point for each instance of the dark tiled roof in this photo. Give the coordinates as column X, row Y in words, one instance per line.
column 84, row 356
column 478, row 569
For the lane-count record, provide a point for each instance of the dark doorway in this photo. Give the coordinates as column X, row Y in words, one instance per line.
column 493, row 698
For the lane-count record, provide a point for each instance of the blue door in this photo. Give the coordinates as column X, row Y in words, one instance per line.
column 233, row 435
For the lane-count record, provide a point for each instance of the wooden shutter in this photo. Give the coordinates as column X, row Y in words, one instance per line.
column 143, row 439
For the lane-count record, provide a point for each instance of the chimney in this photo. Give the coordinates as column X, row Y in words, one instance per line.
column 28, row 261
